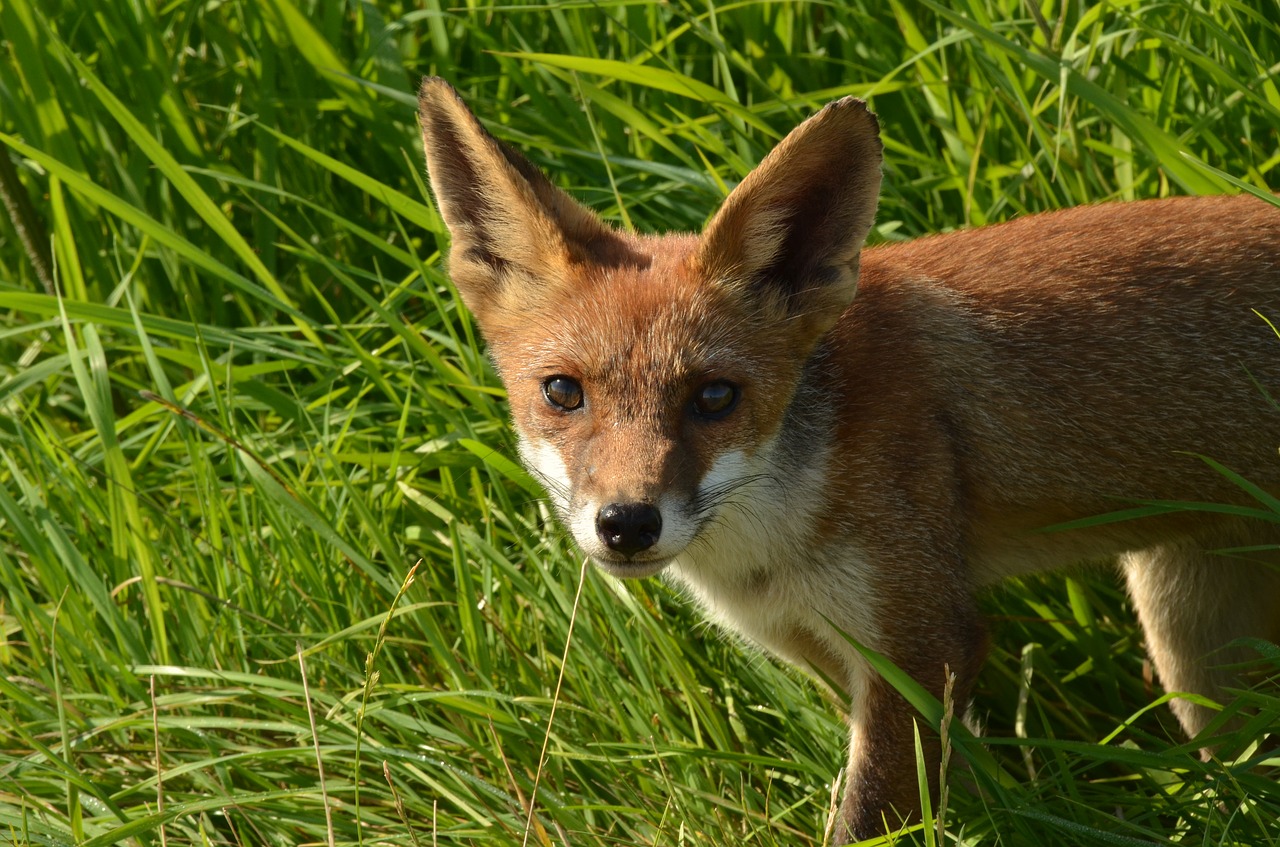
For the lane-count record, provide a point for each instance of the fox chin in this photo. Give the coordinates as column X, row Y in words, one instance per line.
column 810, row 464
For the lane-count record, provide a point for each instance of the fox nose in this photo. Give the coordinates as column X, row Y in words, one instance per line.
column 629, row 528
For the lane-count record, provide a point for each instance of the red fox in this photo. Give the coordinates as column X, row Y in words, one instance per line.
column 721, row 408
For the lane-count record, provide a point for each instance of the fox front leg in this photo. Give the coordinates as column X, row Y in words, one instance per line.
column 881, row 781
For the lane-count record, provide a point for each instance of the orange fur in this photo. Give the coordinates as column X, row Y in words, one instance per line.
column 722, row 408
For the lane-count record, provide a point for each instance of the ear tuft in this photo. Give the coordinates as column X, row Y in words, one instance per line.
column 790, row 234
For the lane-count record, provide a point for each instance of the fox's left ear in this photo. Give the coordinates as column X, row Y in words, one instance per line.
column 791, row 232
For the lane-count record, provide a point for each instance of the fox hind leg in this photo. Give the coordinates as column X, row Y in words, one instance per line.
column 1192, row 604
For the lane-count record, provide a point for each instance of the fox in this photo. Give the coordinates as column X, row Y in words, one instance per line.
column 825, row 443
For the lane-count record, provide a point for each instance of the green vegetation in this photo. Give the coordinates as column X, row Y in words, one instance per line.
column 246, row 403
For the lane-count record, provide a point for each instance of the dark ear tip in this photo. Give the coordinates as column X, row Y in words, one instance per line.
column 856, row 110
column 433, row 89
column 848, row 101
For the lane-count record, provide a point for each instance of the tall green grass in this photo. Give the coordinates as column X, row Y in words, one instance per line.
column 251, row 407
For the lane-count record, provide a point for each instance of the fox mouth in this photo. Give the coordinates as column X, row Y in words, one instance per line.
column 628, row 568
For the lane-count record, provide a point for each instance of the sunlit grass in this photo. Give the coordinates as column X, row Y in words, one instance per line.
column 254, row 405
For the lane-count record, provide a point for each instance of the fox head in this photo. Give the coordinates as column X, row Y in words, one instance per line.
column 649, row 376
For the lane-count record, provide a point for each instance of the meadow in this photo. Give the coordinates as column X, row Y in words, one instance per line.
column 269, row 573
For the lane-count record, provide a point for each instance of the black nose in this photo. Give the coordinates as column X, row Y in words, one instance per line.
column 629, row 528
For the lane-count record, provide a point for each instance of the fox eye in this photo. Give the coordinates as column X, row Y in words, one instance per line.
column 562, row 392
column 715, row 399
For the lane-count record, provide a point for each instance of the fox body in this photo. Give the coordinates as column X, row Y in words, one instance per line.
column 721, row 408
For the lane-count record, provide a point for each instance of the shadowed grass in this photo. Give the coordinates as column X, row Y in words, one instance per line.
column 254, row 405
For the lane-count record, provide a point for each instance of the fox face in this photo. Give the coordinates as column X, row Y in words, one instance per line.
column 646, row 404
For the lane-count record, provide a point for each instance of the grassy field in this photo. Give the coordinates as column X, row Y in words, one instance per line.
column 269, row 574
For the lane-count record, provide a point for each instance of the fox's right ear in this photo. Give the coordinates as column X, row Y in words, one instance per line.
column 513, row 232
column 790, row 235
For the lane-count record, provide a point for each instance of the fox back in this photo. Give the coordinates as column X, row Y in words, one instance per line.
column 811, row 464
